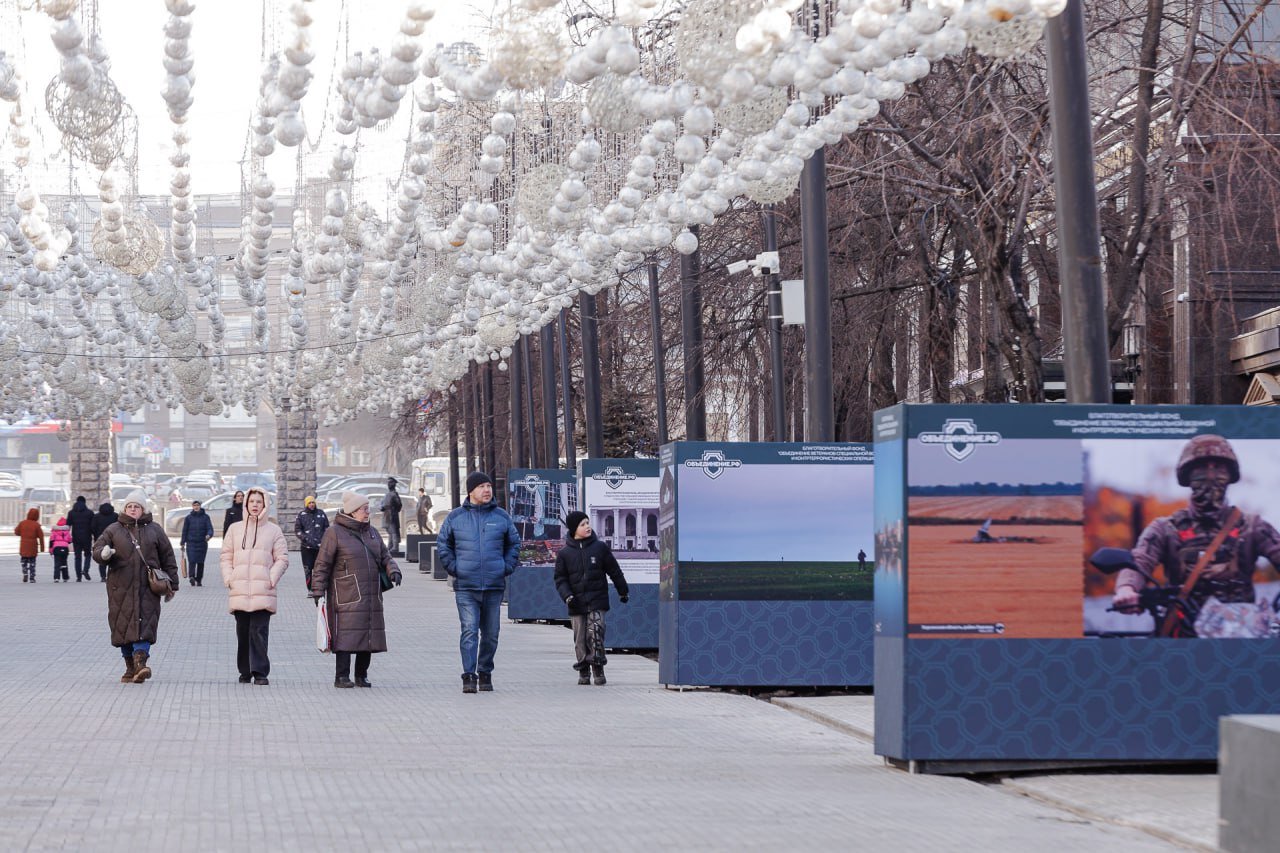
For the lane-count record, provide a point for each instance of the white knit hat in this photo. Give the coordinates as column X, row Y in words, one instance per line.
column 352, row 501
column 139, row 497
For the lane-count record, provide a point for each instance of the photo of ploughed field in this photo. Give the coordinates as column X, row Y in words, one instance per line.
column 1010, row 557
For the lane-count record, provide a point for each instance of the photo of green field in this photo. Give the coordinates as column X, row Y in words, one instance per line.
column 776, row 581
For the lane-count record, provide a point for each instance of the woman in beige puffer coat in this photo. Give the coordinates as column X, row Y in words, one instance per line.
column 254, row 558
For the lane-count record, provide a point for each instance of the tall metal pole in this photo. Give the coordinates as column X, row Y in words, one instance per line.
column 526, row 362
column 470, row 413
column 515, row 381
column 695, row 411
column 566, row 381
column 820, row 416
column 490, row 435
column 591, row 375
column 547, row 349
column 659, row 357
column 455, row 488
column 1086, row 356
column 775, row 329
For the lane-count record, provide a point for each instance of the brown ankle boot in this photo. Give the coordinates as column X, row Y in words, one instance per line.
column 141, row 671
column 129, row 671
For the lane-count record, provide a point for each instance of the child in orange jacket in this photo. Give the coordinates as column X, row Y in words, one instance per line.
column 31, row 543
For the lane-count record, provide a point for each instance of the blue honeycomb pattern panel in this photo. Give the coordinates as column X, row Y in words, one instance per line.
column 779, row 643
column 633, row 625
column 1081, row 699
column 531, row 594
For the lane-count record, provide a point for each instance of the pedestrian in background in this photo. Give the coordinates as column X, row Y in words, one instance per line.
column 254, row 557
column 129, row 548
column 80, row 520
column 424, row 511
column 309, row 527
column 197, row 530
column 30, row 543
column 391, row 506
column 104, row 518
column 348, row 569
column 479, row 547
column 234, row 513
column 584, row 567
column 60, row 547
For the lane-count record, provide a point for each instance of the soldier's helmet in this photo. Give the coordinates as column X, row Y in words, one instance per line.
column 1204, row 447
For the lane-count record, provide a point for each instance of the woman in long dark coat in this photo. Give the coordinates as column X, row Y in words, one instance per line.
column 128, row 547
column 351, row 556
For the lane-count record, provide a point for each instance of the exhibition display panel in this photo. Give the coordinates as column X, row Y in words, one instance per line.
column 620, row 496
column 767, row 571
column 1073, row 582
column 538, row 499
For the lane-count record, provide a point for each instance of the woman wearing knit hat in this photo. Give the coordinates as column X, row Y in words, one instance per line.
column 254, row 557
column 348, row 570
column 582, row 566
column 130, row 548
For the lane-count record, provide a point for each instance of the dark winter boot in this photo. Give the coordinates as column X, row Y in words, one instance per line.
column 598, row 672
column 142, row 671
column 485, row 680
column 584, row 675
column 343, row 681
column 468, row 682
column 129, row 671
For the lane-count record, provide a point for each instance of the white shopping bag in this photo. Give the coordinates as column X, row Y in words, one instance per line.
column 322, row 626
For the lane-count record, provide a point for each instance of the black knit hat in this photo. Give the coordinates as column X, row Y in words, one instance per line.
column 477, row 478
column 571, row 522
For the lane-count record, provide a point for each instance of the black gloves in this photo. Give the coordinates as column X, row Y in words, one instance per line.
column 622, row 599
column 396, row 577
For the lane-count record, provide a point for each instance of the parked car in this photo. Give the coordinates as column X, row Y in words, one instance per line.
column 207, row 475
column 373, row 491
column 246, row 480
column 52, row 501
column 118, row 495
column 215, row 506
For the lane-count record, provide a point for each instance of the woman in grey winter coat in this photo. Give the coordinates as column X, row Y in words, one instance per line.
column 352, row 556
column 129, row 548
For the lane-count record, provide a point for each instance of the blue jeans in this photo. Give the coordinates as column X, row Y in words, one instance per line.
column 128, row 649
column 479, row 613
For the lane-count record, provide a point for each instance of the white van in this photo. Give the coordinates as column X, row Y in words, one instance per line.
column 432, row 474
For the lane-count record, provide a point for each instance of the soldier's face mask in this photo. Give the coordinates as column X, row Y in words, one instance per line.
column 1209, row 488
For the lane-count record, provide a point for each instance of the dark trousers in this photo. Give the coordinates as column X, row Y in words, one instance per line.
column 342, row 660
column 83, row 557
column 102, row 571
column 252, row 630
column 195, row 571
column 60, row 564
column 308, row 561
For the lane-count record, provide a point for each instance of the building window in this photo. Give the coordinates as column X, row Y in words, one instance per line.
column 361, row 458
column 233, row 452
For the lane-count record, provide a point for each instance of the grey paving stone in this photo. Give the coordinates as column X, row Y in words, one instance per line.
column 193, row 760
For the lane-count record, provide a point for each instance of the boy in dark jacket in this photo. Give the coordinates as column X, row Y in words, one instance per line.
column 581, row 569
column 81, row 521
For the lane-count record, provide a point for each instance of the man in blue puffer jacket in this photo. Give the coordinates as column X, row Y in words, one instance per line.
column 478, row 546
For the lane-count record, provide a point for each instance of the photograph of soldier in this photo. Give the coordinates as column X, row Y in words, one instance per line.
column 1179, row 521
column 1208, row 548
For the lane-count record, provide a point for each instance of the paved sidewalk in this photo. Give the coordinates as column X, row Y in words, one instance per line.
column 193, row 760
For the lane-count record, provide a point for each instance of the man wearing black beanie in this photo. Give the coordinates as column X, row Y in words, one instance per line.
column 479, row 547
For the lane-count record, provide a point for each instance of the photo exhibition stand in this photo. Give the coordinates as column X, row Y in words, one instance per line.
column 1060, row 584
column 538, row 501
column 767, row 564
column 620, row 496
